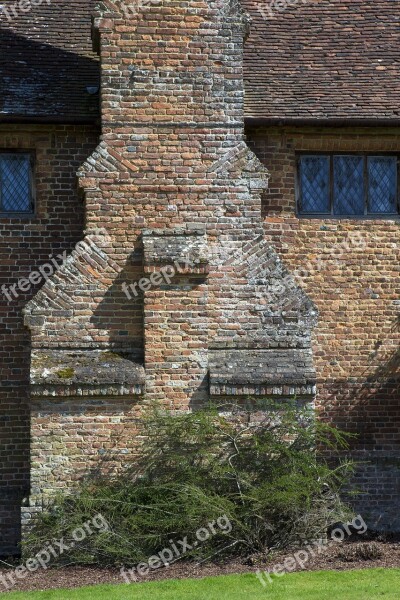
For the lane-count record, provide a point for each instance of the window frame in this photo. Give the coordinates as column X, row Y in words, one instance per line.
column 330, row 215
column 32, row 188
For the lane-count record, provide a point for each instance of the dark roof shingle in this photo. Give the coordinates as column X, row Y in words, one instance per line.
column 48, row 69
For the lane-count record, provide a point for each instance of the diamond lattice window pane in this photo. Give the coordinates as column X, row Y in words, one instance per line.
column 349, row 189
column 15, row 188
column 382, row 184
column 315, row 183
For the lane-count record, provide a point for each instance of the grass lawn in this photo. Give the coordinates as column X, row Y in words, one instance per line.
column 370, row 584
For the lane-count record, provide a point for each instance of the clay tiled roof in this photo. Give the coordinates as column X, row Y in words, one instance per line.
column 47, row 67
column 323, row 60
column 316, row 60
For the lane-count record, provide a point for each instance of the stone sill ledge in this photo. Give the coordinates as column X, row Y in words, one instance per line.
column 307, row 391
column 157, row 267
column 62, row 391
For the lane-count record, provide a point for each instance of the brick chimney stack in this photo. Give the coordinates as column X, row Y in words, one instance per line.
column 174, row 295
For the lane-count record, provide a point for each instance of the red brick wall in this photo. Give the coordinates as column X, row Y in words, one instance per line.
column 350, row 269
column 172, row 159
column 25, row 244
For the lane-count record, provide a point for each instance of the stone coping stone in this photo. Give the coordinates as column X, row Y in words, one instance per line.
column 86, row 372
column 268, row 371
column 176, row 247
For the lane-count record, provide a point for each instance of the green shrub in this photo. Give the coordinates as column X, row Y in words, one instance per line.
column 259, row 469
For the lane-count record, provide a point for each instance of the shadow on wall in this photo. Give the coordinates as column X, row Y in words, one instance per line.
column 370, row 408
column 40, row 79
column 119, row 318
column 14, row 421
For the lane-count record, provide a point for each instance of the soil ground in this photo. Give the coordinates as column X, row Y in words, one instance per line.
column 354, row 554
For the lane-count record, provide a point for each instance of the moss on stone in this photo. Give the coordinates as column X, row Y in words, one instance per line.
column 66, row 373
column 110, row 354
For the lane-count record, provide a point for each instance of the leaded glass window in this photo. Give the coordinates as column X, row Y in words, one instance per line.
column 348, row 185
column 382, row 190
column 16, row 183
column 315, row 184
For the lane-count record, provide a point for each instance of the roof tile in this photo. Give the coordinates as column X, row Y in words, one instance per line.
column 323, row 59
column 304, row 60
